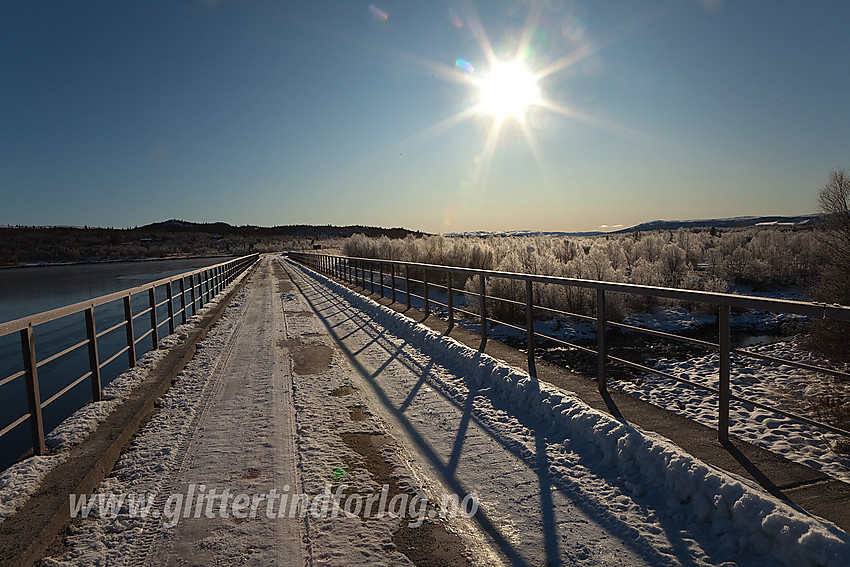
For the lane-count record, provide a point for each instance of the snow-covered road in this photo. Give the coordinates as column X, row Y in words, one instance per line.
column 305, row 387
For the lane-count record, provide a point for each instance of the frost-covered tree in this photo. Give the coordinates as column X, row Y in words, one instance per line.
column 834, row 201
column 831, row 337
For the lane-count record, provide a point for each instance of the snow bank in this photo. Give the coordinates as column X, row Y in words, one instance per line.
column 785, row 387
column 650, row 467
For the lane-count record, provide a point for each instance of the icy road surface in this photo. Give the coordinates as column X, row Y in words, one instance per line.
column 305, row 387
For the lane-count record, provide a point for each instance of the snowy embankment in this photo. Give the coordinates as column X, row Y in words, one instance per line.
column 787, row 388
column 659, row 476
column 790, row 389
column 21, row 480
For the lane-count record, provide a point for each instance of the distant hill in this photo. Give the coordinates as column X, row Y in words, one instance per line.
column 485, row 233
column 733, row 222
column 36, row 245
column 224, row 229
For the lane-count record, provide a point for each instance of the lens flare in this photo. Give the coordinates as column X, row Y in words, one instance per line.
column 464, row 65
column 378, row 14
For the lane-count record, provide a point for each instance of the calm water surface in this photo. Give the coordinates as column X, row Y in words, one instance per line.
column 26, row 291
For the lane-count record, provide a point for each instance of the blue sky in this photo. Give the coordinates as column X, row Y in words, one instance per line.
column 343, row 112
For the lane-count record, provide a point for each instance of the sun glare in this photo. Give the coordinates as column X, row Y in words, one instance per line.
column 504, row 97
column 509, row 90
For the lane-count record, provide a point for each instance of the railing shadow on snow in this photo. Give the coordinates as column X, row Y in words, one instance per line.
column 363, row 271
column 328, row 306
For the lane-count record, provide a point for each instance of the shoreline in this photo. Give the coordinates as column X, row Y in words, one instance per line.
column 116, row 261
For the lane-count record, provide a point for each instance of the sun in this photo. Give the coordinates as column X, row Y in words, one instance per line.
column 508, row 90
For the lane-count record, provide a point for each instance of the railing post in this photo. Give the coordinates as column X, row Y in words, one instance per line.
column 601, row 354
column 94, row 359
column 451, row 301
column 131, row 342
column 529, row 325
column 482, row 302
column 33, row 394
column 407, row 284
column 381, row 275
column 200, row 290
column 192, row 292
column 169, row 291
column 372, row 275
column 725, row 367
column 182, row 300
column 425, row 291
column 392, row 281
column 154, row 322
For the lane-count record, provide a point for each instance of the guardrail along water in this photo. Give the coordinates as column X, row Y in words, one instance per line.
column 362, row 272
column 98, row 333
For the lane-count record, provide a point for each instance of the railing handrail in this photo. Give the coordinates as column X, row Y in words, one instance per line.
column 15, row 325
column 814, row 309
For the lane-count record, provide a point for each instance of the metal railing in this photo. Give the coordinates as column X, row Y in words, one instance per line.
column 353, row 271
column 201, row 286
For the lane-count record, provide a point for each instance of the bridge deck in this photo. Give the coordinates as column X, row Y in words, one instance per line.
column 299, row 391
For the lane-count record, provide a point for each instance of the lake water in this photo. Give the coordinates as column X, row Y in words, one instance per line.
column 27, row 291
